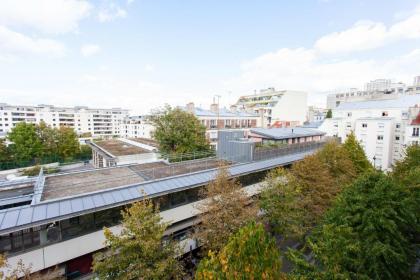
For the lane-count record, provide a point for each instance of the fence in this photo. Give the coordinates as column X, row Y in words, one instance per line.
column 261, row 153
column 5, row 165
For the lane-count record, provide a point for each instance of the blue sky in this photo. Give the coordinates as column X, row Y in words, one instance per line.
column 141, row 54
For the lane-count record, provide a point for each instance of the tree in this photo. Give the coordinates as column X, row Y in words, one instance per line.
column 4, row 151
column 138, row 251
column 404, row 167
column 250, row 254
column 226, row 208
column 178, row 132
column 329, row 114
column 26, row 143
column 295, row 201
column 357, row 154
column 338, row 162
column 68, row 143
column 49, row 138
column 367, row 234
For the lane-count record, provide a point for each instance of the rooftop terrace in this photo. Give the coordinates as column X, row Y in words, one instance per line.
column 119, row 148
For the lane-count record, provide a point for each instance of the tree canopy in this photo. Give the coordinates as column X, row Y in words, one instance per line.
column 138, row 251
column 226, row 208
column 250, row 254
column 26, row 143
column 178, row 131
column 357, row 154
column 329, row 114
column 366, row 235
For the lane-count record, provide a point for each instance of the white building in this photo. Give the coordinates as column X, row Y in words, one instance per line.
column 379, row 125
column 136, row 127
column 285, row 106
column 316, row 114
column 97, row 122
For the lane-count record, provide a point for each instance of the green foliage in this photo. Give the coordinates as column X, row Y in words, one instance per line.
column 26, row 143
column 225, row 210
column 329, row 114
column 138, row 251
column 250, row 254
column 40, row 144
column 366, row 235
column 32, row 171
column 4, row 151
column 402, row 169
column 178, row 132
column 296, row 200
column 68, row 143
column 357, row 154
column 85, row 152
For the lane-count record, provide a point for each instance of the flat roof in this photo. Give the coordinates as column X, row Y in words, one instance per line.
column 147, row 141
column 404, row 101
column 286, row 133
column 13, row 219
column 118, row 148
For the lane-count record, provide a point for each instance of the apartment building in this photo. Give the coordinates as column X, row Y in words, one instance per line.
column 316, row 114
column 276, row 106
column 379, row 89
column 217, row 119
column 136, row 127
column 97, row 122
column 381, row 126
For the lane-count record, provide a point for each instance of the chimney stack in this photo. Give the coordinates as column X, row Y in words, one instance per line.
column 190, row 108
column 214, row 108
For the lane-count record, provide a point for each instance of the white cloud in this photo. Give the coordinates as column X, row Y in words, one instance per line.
column 149, row 68
column 111, row 13
column 12, row 42
column 52, row 16
column 89, row 49
column 367, row 35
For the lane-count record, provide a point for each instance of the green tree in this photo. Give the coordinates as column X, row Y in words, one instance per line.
column 250, row 254
column 338, row 162
column 26, row 143
column 357, row 154
column 138, row 251
column 404, row 167
column 49, row 138
column 366, row 235
column 329, row 114
column 178, row 132
column 68, row 143
column 226, row 208
column 4, row 151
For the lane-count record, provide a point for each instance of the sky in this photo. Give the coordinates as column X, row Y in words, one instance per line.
column 141, row 54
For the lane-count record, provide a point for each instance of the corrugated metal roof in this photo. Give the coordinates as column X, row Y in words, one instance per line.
column 52, row 210
column 404, row 101
column 286, row 132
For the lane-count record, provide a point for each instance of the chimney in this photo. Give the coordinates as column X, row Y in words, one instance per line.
column 233, row 108
column 190, row 108
column 214, row 108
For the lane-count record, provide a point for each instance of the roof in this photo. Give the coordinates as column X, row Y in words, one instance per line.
column 416, row 121
column 13, row 219
column 118, row 148
column 286, row 132
column 313, row 124
column 404, row 101
column 223, row 112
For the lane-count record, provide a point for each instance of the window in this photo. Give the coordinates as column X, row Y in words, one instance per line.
column 349, row 114
column 415, row 131
column 397, row 138
column 380, row 137
column 397, row 125
column 364, row 124
column 384, row 114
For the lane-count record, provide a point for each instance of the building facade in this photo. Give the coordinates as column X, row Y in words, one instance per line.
column 381, row 126
column 84, row 120
column 379, row 89
column 273, row 106
column 217, row 119
column 136, row 127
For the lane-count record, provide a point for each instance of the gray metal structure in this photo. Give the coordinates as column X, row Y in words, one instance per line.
column 233, row 146
column 44, row 212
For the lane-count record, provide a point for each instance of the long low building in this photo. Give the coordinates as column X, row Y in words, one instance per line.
column 62, row 222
